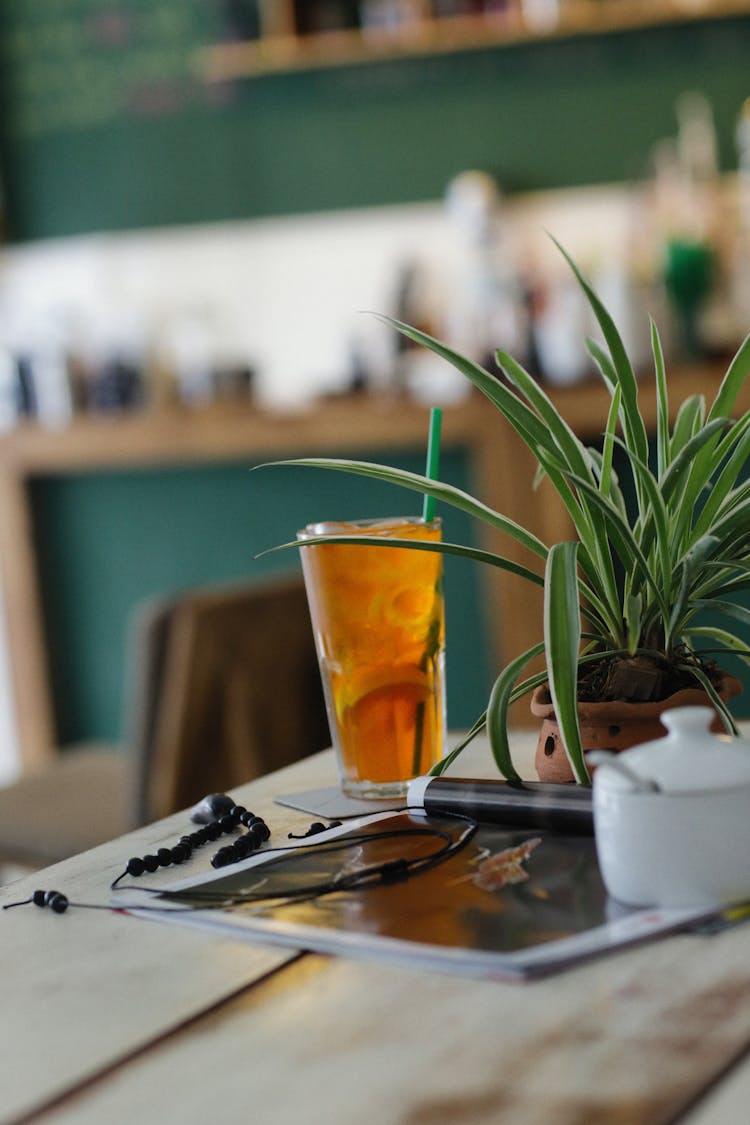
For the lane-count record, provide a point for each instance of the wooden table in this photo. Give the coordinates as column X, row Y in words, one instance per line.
column 110, row 1020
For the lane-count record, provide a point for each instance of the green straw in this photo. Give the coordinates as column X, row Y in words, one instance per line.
column 433, row 460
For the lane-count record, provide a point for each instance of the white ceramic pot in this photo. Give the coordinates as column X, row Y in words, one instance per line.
column 672, row 817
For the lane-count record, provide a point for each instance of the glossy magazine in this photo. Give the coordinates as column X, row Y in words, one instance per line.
column 511, row 903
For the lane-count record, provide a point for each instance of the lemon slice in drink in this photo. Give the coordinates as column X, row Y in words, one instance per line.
column 352, row 688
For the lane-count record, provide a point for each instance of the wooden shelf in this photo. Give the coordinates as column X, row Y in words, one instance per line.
column 278, row 53
column 224, row 432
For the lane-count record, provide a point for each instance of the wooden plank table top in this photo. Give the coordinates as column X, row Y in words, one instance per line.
column 111, row 1019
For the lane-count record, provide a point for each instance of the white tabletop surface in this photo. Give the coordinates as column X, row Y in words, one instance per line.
column 108, row 1019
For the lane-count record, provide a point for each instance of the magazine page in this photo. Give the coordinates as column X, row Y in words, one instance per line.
column 507, row 903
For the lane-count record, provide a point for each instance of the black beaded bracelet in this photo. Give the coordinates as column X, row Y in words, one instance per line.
column 256, row 834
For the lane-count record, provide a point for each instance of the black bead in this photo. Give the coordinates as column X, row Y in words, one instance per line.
column 261, row 827
column 227, row 822
column 39, row 898
column 56, row 901
column 255, row 835
column 238, row 812
column 247, row 845
column 164, row 855
column 247, row 817
column 222, row 857
column 150, row 862
column 179, row 853
column 213, row 831
column 135, row 866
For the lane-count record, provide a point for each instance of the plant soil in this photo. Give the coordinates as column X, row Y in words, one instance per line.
column 639, row 679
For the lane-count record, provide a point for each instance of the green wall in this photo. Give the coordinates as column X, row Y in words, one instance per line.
column 548, row 114
column 108, row 540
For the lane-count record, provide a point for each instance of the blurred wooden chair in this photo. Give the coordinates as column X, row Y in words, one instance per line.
column 222, row 685
column 241, row 693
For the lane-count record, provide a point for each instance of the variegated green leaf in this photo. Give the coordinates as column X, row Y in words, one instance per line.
column 689, row 568
column 520, row 416
column 626, row 544
column 718, row 702
column 633, row 621
column 655, row 514
column 690, row 418
column 726, row 609
column 729, row 642
column 635, row 429
column 441, row 766
column 497, row 711
column 562, row 636
column 662, row 403
column 605, row 474
column 725, row 481
column 568, row 443
column 474, row 553
column 447, row 493
column 732, row 383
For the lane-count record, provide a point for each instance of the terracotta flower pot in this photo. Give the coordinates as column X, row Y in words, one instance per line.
column 611, row 726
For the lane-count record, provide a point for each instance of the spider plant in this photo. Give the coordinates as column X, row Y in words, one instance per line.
column 632, row 587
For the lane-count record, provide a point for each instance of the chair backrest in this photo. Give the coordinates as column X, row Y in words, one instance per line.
column 146, row 654
column 235, row 691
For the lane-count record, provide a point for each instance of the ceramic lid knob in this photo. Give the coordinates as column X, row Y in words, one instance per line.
column 693, row 723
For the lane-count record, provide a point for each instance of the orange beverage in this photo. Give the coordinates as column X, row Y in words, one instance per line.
column 379, row 624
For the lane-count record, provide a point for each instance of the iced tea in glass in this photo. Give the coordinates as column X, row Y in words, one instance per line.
column 379, row 623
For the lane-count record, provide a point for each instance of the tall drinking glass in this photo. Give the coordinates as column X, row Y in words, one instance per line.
column 379, row 623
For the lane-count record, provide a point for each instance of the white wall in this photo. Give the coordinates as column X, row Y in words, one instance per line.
column 287, row 294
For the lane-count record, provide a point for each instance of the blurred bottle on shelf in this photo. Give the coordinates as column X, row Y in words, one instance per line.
column 241, row 19
column 313, row 17
column 448, row 9
column 687, row 197
column 487, row 308
column 559, row 327
column 196, row 359
column 10, row 406
column 541, row 15
column 741, row 255
column 419, row 302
